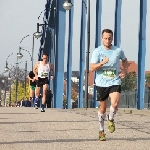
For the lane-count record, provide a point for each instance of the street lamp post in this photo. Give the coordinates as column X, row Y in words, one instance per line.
column 67, row 5
column 17, row 68
column 20, row 49
column 32, row 48
column 24, row 38
column 25, row 80
column 4, row 92
column 6, row 67
column 9, row 79
column 19, row 56
column 26, row 67
column 34, row 35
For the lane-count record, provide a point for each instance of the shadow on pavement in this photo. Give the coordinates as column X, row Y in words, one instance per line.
column 15, row 122
column 17, row 113
column 68, row 121
column 73, row 140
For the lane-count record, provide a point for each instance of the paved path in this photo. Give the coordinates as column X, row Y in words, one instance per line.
column 77, row 129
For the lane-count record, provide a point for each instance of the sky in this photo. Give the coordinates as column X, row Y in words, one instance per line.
column 19, row 18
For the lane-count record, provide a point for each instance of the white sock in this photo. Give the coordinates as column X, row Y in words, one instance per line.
column 112, row 113
column 101, row 118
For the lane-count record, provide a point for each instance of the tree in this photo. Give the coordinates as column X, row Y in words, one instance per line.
column 147, row 78
column 21, row 74
column 74, row 92
column 21, row 91
column 129, row 82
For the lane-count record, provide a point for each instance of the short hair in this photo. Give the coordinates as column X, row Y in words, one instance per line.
column 107, row 31
column 45, row 54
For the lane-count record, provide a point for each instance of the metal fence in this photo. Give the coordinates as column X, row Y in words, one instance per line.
column 128, row 100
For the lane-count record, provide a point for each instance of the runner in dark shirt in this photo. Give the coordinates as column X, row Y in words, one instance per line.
column 31, row 77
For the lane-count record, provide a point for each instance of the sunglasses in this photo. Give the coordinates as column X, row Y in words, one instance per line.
column 44, row 58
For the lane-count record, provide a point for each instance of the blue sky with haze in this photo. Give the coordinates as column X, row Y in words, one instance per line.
column 19, row 18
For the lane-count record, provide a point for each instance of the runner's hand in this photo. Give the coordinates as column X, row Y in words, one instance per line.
column 122, row 74
column 52, row 77
column 105, row 60
column 36, row 77
column 33, row 80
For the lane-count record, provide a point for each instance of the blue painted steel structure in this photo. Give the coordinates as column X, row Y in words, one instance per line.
column 69, row 59
column 82, row 53
column 141, row 55
column 97, row 42
column 50, row 51
column 45, row 21
column 117, row 30
column 51, row 24
column 60, row 51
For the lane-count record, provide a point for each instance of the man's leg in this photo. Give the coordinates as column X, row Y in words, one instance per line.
column 102, row 95
column 32, row 92
column 115, row 98
column 102, row 113
column 37, row 96
column 45, row 88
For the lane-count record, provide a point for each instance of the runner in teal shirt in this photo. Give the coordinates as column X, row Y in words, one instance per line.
column 105, row 62
column 108, row 74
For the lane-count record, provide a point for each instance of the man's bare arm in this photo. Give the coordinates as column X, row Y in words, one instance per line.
column 125, row 65
column 52, row 68
column 35, row 68
column 94, row 67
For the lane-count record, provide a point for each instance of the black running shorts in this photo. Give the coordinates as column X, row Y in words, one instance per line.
column 103, row 92
column 42, row 81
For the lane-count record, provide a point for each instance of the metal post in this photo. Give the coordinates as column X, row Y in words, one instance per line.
column 97, row 42
column 32, row 50
column 25, row 80
column 10, row 94
column 0, row 96
column 135, row 98
column 117, row 32
column 52, row 61
column 87, row 55
column 69, row 61
column 50, row 53
column 128, row 101
column 59, row 61
column 141, row 55
column 5, row 94
column 54, row 54
column 54, row 34
column 148, row 97
column 82, row 54
column 17, row 68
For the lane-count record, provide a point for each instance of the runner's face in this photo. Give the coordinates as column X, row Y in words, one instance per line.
column 45, row 58
column 107, row 39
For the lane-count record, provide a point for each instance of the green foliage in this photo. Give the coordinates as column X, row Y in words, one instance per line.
column 147, row 77
column 21, row 91
column 129, row 82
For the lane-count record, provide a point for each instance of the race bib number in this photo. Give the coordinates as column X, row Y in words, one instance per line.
column 109, row 73
column 44, row 74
